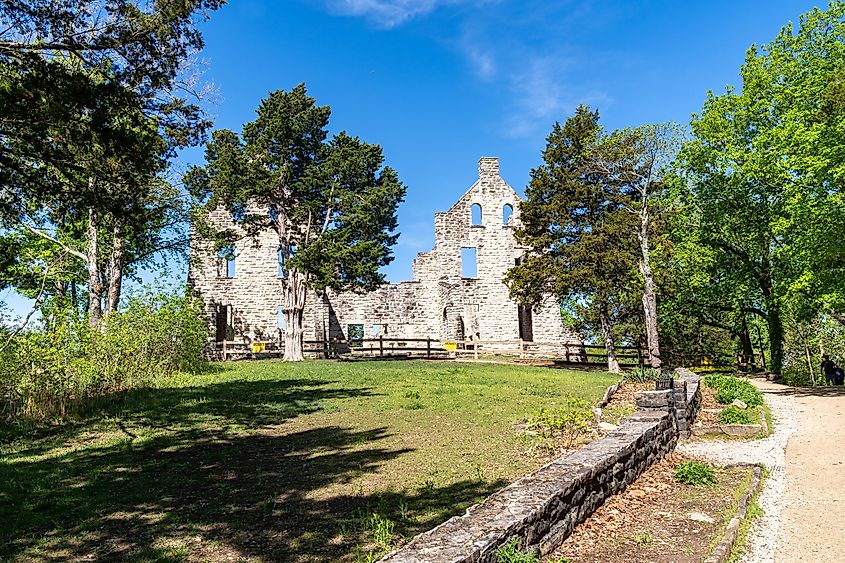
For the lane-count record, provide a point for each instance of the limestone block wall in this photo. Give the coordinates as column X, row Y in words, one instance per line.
column 254, row 292
column 542, row 509
column 439, row 302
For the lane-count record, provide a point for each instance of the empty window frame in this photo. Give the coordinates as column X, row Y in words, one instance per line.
column 355, row 334
column 226, row 262
column 507, row 212
column 469, row 262
column 280, row 318
column 476, row 215
column 376, row 331
column 281, row 264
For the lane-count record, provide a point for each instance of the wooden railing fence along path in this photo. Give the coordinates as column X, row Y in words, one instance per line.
column 384, row 347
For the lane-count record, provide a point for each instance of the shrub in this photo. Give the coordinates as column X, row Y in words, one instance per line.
column 570, row 422
column 48, row 372
column 729, row 388
column 733, row 415
column 695, row 473
column 511, row 553
column 642, row 374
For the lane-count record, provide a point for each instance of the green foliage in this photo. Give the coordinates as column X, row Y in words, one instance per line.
column 642, row 374
column 729, row 388
column 733, row 415
column 582, row 239
column 695, row 473
column 569, row 422
column 764, row 169
column 511, row 553
column 46, row 374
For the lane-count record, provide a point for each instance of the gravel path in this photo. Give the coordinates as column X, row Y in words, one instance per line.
column 763, row 537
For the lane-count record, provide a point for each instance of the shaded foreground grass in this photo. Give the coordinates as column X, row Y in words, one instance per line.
column 319, row 461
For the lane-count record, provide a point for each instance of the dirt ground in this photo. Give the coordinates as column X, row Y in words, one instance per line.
column 812, row 525
column 650, row 521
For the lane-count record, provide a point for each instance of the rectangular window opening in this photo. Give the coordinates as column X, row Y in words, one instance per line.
column 469, row 262
column 280, row 318
column 355, row 335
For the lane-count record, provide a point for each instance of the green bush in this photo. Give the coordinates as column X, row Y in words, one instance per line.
column 733, row 415
column 49, row 372
column 642, row 374
column 511, row 553
column 695, row 473
column 729, row 388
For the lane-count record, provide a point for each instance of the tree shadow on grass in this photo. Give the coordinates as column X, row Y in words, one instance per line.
column 191, row 489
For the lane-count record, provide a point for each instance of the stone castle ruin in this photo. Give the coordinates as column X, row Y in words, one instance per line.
column 457, row 291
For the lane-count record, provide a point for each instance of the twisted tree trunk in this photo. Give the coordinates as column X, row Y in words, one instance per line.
column 607, row 333
column 649, row 297
column 293, row 308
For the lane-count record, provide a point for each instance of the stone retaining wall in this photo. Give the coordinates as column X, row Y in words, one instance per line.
column 543, row 508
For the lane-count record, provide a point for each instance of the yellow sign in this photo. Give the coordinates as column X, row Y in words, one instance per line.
column 259, row 346
column 450, row 345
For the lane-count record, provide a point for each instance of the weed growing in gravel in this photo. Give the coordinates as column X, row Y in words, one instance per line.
column 695, row 473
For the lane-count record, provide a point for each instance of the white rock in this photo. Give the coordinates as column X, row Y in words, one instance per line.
column 606, row 426
column 739, row 404
column 701, row 517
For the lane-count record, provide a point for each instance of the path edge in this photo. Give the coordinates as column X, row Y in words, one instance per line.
column 722, row 551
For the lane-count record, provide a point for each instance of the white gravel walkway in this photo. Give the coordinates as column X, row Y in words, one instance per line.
column 770, row 452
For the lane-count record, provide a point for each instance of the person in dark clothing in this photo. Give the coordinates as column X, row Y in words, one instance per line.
column 827, row 369
column 838, row 376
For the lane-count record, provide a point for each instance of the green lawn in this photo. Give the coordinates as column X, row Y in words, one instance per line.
column 319, row 461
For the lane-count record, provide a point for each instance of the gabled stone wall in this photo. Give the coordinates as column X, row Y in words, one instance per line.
column 439, row 302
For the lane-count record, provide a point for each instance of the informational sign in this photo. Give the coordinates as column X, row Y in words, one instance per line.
column 259, row 347
column 450, row 345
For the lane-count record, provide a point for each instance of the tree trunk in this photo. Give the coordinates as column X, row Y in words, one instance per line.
column 747, row 347
column 95, row 285
column 118, row 258
column 607, row 333
column 775, row 338
column 293, row 308
column 649, row 297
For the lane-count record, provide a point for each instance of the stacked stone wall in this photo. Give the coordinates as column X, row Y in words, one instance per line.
column 542, row 509
column 439, row 303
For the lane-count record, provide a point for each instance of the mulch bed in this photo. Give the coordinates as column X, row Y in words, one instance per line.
column 650, row 521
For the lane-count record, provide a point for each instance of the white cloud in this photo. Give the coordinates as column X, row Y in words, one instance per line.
column 390, row 13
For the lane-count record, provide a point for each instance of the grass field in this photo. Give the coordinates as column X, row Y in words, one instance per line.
column 319, row 461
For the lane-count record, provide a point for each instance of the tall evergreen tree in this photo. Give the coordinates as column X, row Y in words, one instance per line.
column 331, row 202
column 581, row 241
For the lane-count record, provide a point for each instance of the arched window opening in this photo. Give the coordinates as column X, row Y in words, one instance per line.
column 476, row 214
column 507, row 212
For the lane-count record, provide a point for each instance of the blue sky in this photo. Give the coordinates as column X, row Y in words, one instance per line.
column 439, row 83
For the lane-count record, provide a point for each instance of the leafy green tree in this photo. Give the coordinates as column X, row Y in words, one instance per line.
column 93, row 107
column 331, row 202
column 766, row 166
column 581, row 241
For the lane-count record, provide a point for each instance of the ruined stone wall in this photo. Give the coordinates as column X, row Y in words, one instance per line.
column 438, row 303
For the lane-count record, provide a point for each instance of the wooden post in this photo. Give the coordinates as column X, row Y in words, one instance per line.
column 521, row 349
column 475, row 349
column 428, row 347
column 224, row 349
column 380, row 345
